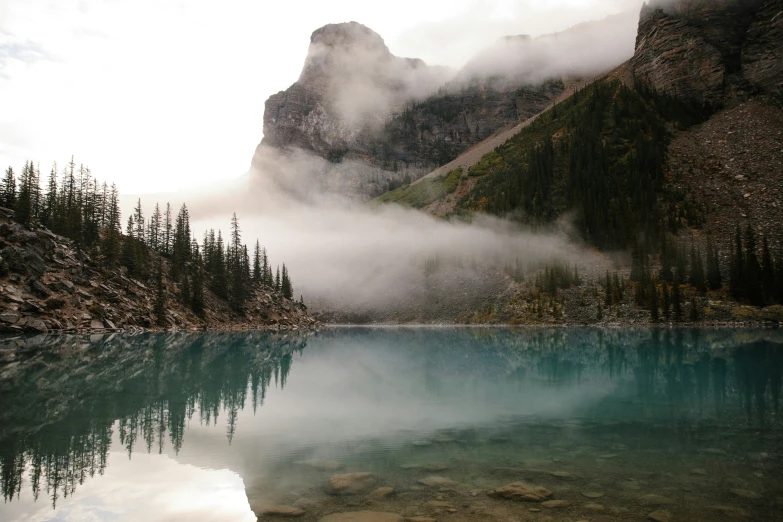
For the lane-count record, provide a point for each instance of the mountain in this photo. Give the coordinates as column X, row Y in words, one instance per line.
column 369, row 121
column 674, row 154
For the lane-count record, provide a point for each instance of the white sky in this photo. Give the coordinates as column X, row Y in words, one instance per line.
column 159, row 95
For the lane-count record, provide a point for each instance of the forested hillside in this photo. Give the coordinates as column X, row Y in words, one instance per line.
column 65, row 263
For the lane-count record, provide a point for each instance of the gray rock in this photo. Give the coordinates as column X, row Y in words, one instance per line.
column 521, row 491
column 351, row 483
column 9, row 318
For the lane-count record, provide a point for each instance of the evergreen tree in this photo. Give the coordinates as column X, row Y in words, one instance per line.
column 779, row 277
column 677, row 302
column 197, row 300
column 24, row 203
column 219, row 281
column 111, row 243
column 160, row 296
column 49, row 210
column 666, row 302
column 154, row 232
column 180, row 246
column 167, row 229
column 752, row 269
column 767, row 273
column 694, row 310
column 697, row 278
column 129, row 255
column 277, row 279
column 738, row 273
column 257, row 274
column 8, row 194
column 714, row 279
column 679, row 265
column 666, row 273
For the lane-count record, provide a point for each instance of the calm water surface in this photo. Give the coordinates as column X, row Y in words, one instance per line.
column 618, row 423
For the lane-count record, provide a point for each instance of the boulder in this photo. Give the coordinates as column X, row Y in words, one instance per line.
column 351, row 483
column 278, row 511
column 521, row 491
column 9, row 318
column 435, row 481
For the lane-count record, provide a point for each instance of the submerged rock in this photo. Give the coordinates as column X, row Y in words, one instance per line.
column 731, row 512
column 746, row 493
column 660, row 516
column 592, row 494
column 382, row 492
column 553, row 504
column 322, row 465
column 362, row 516
column 655, row 500
column 279, row 511
column 351, row 483
column 522, row 492
column 435, row 481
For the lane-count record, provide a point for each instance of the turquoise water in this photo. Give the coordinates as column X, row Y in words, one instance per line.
column 619, row 424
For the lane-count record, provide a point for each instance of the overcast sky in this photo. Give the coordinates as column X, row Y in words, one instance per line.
column 158, row 95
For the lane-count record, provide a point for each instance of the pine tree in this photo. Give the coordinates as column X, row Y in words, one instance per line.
column 154, row 230
column 694, row 310
column 167, row 229
column 160, row 296
column 738, row 273
column 257, row 274
column 752, row 269
column 180, row 246
column 197, row 300
column 129, row 255
column 714, row 279
column 697, row 278
column 679, row 265
column 677, row 303
column 24, row 210
column 111, row 244
column 49, row 210
column 666, row 259
column 277, row 279
column 666, row 302
column 767, row 273
column 779, row 277
column 8, row 194
column 654, row 302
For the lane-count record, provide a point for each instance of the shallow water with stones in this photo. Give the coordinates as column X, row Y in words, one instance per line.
column 416, row 423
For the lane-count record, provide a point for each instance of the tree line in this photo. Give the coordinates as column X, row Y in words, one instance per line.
column 755, row 275
column 77, row 206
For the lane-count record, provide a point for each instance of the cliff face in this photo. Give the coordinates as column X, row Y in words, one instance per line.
column 762, row 52
column 709, row 52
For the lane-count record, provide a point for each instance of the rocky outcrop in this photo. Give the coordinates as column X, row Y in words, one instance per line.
column 762, row 52
column 695, row 50
column 47, row 284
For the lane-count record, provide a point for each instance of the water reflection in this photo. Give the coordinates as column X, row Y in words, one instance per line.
column 367, row 396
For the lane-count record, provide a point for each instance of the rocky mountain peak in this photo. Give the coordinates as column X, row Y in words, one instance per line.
column 348, row 34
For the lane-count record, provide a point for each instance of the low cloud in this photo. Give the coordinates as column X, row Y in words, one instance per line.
column 378, row 264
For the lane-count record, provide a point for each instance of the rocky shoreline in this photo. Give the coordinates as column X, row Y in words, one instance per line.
column 47, row 284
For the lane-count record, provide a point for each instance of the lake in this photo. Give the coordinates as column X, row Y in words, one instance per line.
column 453, row 424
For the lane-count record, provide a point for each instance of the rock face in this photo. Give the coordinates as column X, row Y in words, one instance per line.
column 708, row 52
column 762, row 53
column 47, row 285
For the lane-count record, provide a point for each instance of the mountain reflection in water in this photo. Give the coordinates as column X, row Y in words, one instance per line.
column 257, row 404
